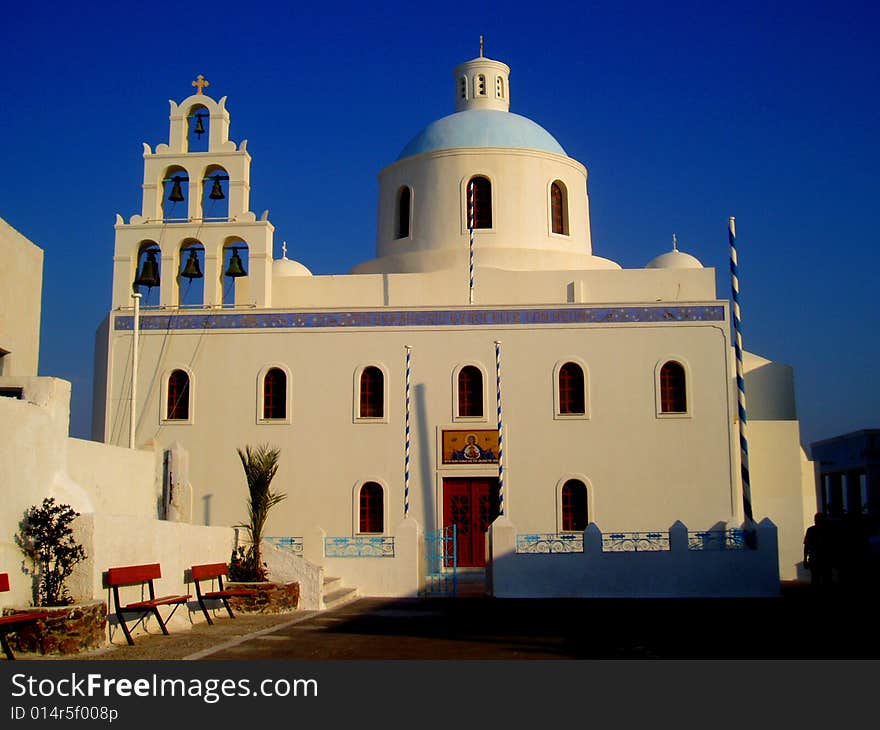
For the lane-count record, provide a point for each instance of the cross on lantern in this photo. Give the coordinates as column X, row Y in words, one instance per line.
column 200, row 83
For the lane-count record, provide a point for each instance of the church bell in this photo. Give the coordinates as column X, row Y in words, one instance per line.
column 216, row 190
column 199, row 128
column 192, row 270
column 149, row 276
column 236, row 267
column 176, row 195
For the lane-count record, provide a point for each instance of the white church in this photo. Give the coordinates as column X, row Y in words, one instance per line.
column 575, row 422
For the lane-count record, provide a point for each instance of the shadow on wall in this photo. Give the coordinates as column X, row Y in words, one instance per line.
column 770, row 393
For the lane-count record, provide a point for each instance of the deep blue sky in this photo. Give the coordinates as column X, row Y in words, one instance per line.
column 683, row 115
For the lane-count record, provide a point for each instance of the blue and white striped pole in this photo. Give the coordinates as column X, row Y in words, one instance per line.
column 740, row 380
column 500, row 429
column 406, row 451
column 471, row 229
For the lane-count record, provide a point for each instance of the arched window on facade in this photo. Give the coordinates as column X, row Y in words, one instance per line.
column 572, row 393
column 559, row 208
column 371, row 508
column 404, row 206
column 673, row 388
column 470, row 392
column 574, row 506
column 275, row 394
column 177, row 404
column 372, row 393
column 479, row 193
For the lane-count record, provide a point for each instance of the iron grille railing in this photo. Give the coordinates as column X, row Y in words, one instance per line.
column 293, row 544
column 360, row 546
column 717, row 540
column 635, row 542
column 550, row 542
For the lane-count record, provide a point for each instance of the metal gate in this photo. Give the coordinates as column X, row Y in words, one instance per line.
column 441, row 562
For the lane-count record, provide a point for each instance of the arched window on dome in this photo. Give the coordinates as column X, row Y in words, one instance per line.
column 372, row 393
column 499, row 87
column 371, row 508
column 177, row 400
column 404, row 211
column 572, row 393
column 574, row 506
column 275, row 394
column 559, row 208
column 463, row 88
column 480, row 85
column 479, row 191
column 470, row 392
column 673, row 388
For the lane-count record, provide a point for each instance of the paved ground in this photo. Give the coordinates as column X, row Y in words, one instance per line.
column 798, row 625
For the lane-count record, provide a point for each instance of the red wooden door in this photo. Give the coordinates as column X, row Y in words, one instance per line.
column 471, row 505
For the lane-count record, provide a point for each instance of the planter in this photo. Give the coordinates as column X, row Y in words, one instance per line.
column 68, row 630
column 269, row 597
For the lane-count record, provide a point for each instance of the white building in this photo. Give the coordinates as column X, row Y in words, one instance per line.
column 618, row 391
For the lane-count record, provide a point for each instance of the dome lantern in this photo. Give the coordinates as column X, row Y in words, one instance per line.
column 482, row 83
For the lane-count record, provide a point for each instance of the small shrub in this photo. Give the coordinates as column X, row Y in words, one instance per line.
column 47, row 539
column 243, row 566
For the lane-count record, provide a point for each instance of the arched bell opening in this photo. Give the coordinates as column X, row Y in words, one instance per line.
column 198, row 127
column 215, row 194
column 190, row 275
column 234, row 272
column 175, row 194
column 148, row 273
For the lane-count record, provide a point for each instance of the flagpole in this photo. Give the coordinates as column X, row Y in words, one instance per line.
column 740, row 379
column 406, row 451
column 500, row 429
column 135, row 336
column 471, row 249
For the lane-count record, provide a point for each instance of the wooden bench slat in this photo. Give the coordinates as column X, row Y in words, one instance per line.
column 211, row 570
column 22, row 618
column 133, row 574
column 163, row 601
column 230, row 593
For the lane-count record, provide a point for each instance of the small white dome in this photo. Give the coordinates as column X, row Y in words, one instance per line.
column 286, row 267
column 675, row 259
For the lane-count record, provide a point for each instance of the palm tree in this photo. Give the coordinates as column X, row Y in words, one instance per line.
column 260, row 465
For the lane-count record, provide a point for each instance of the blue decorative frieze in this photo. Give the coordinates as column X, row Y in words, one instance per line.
column 717, row 540
column 360, row 546
column 420, row 318
column 550, row 542
column 635, row 542
column 293, row 544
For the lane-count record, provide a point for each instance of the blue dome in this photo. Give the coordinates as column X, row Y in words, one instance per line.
column 482, row 128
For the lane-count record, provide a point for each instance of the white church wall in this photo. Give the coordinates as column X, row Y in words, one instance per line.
column 593, row 573
column 21, row 285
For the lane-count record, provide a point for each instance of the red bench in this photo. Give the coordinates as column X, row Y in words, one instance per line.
column 11, row 623
column 142, row 575
column 210, row 572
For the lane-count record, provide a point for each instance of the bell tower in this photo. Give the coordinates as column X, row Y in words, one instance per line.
column 195, row 225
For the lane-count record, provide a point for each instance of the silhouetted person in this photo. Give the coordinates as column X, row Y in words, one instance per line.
column 818, row 551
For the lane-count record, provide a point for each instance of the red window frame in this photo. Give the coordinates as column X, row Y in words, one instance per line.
column 371, row 513
column 572, row 398
column 275, row 394
column 177, row 405
column 574, row 506
column 673, row 388
column 372, row 393
column 470, row 392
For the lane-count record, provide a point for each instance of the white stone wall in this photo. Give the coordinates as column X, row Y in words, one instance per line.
column 21, row 285
column 677, row 572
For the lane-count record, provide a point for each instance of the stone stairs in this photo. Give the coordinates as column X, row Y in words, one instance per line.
column 335, row 594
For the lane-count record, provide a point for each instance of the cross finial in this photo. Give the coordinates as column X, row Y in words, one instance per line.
column 284, row 249
column 674, row 243
column 481, row 46
column 200, row 83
